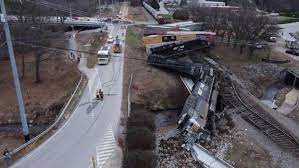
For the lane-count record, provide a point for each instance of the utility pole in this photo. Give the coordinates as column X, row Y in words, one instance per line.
column 100, row 10
column 15, row 74
column 71, row 14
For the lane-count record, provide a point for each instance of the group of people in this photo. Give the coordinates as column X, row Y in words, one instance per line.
column 100, row 94
column 73, row 55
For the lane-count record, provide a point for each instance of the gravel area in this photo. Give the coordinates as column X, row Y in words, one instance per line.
column 280, row 96
column 257, row 77
column 169, row 151
column 279, row 157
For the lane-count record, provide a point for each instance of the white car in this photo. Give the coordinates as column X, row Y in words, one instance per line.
column 110, row 39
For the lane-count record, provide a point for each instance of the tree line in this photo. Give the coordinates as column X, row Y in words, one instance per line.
column 29, row 30
column 236, row 27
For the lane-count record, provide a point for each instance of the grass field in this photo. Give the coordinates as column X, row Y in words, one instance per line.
column 287, row 19
column 137, row 14
column 133, row 38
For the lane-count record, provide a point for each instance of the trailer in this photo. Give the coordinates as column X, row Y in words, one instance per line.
column 161, row 16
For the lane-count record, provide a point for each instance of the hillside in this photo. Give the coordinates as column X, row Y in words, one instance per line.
column 268, row 5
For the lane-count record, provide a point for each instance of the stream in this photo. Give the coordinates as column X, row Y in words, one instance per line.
column 269, row 94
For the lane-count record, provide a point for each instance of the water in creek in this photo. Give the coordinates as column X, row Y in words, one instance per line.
column 269, row 94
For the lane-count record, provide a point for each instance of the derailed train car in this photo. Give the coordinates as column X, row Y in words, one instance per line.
column 200, row 102
column 184, row 68
column 200, row 107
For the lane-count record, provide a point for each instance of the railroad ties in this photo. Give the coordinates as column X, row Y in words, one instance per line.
column 257, row 117
column 275, row 133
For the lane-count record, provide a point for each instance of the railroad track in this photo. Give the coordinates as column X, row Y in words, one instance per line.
column 259, row 118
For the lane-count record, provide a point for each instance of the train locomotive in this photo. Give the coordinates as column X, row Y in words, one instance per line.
column 200, row 103
column 200, row 106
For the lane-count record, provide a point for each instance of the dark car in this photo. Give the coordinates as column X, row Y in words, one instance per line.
column 293, row 52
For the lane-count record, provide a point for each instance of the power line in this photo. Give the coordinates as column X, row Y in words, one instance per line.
column 68, row 49
column 58, row 7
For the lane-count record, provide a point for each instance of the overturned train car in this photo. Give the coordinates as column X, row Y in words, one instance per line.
column 200, row 103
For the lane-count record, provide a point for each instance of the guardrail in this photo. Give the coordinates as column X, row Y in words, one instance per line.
column 208, row 160
column 51, row 127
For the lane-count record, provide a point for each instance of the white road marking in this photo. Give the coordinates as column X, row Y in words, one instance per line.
column 105, row 148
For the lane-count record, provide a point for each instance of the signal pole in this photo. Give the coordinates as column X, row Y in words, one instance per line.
column 71, row 13
column 15, row 73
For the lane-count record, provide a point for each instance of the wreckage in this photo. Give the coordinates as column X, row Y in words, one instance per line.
column 200, row 109
column 201, row 103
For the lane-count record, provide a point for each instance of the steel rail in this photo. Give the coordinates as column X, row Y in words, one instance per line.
column 271, row 129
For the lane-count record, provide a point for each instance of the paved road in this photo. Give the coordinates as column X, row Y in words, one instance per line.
column 285, row 35
column 77, row 141
column 289, row 28
column 89, row 133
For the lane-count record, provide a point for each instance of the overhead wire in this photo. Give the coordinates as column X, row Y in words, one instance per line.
column 36, row 45
column 58, row 7
column 68, row 49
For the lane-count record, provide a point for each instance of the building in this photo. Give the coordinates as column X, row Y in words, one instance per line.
column 292, row 77
column 205, row 3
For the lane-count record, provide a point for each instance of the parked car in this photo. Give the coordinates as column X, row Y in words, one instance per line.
column 272, row 39
column 293, row 52
column 259, row 45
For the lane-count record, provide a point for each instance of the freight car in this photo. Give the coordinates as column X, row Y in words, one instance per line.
column 184, row 68
column 199, row 111
column 199, row 104
column 178, row 47
column 162, row 17
column 176, row 36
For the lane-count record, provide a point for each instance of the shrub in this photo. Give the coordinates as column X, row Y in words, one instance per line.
column 181, row 15
column 141, row 159
column 144, row 119
column 140, row 138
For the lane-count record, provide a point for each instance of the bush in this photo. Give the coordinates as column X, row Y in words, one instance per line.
column 141, row 159
column 145, row 119
column 181, row 15
column 140, row 138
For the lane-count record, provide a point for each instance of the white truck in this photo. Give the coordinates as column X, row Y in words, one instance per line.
column 104, row 55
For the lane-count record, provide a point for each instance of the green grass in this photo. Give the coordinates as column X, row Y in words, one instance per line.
column 133, row 38
column 137, row 14
column 287, row 19
column 138, row 17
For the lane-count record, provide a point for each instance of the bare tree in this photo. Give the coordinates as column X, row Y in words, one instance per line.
column 243, row 27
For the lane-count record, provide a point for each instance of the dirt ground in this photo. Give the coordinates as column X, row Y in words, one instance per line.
column 43, row 100
column 91, row 43
column 255, row 74
column 156, row 90
column 137, row 14
column 110, row 12
column 170, row 151
column 239, row 150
